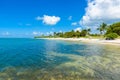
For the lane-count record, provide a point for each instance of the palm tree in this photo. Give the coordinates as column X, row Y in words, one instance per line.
column 88, row 31
column 102, row 28
column 55, row 33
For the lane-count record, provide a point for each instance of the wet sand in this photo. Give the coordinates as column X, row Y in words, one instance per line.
column 88, row 40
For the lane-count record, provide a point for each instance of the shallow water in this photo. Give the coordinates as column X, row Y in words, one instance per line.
column 31, row 59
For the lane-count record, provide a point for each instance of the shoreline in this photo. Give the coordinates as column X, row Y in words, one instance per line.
column 88, row 40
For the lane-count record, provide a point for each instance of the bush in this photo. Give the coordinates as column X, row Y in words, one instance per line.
column 111, row 36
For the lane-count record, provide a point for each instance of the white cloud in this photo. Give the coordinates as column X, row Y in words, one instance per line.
column 5, row 33
column 21, row 24
column 70, row 18
column 50, row 33
column 47, row 33
column 49, row 20
column 60, row 31
column 77, row 29
column 99, row 11
column 38, row 18
column 74, row 23
column 36, row 33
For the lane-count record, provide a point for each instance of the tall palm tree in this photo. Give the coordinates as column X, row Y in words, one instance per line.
column 89, row 30
column 102, row 28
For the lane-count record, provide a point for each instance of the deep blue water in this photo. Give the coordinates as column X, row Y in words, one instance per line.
column 35, row 59
column 30, row 52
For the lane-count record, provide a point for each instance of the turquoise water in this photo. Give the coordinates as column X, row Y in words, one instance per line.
column 32, row 59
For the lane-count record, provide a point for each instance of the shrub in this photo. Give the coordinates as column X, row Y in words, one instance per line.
column 111, row 36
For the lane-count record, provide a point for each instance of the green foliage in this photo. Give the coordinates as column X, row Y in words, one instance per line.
column 102, row 28
column 114, row 28
column 111, row 36
column 117, row 30
column 108, row 31
column 89, row 30
column 70, row 34
column 77, row 34
column 83, row 33
column 94, row 34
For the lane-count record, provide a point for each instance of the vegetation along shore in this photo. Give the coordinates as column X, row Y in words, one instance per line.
column 108, row 34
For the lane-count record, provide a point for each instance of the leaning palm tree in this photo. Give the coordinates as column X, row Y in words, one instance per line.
column 102, row 28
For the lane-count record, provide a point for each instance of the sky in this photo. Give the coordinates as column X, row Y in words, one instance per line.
column 29, row 18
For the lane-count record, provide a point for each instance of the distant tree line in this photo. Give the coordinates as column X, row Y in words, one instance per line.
column 70, row 34
column 109, row 31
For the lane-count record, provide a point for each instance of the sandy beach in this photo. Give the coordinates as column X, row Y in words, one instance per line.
column 88, row 40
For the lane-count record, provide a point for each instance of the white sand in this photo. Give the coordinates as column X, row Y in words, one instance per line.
column 88, row 40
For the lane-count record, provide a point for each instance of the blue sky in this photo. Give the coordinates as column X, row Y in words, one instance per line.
column 27, row 18
column 18, row 17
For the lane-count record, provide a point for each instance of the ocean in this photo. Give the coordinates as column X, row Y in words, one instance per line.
column 40, row 59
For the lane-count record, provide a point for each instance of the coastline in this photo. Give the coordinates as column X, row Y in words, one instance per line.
column 88, row 40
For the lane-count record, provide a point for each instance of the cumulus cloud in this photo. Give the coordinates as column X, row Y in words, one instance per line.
column 35, row 33
column 49, row 20
column 99, row 11
column 74, row 23
column 77, row 29
column 38, row 18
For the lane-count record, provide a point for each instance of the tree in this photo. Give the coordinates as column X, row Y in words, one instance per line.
column 114, row 28
column 83, row 33
column 54, row 33
column 88, row 31
column 111, row 36
column 77, row 34
column 102, row 28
